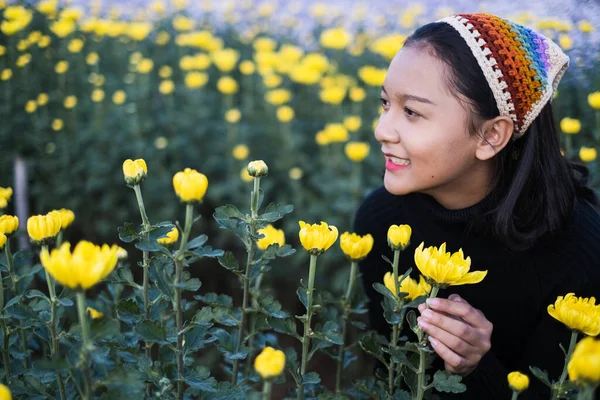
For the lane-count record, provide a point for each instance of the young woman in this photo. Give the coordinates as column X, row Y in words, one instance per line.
column 472, row 158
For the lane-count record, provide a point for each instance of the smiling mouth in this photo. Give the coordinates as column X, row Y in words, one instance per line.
column 398, row 161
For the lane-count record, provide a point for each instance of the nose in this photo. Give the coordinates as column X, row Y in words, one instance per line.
column 385, row 131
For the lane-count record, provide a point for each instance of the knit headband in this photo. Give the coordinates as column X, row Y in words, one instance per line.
column 522, row 67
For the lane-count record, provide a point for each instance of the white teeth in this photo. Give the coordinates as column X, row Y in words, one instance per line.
column 399, row 161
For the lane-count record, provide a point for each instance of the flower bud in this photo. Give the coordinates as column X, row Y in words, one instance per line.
column 121, row 253
column 43, row 228
column 190, row 185
column 584, row 366
column 399, row 236
column 5, row 393
column 354, row 246
column 8, row 224
column 95, row 314
column 271, row 235
column 258, row 168
column 3, row 240
column 269, row 363
column 66, row 217
column 134, row 172
column 518, row 381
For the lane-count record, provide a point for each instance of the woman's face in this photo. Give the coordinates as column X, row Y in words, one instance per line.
column 424, row 134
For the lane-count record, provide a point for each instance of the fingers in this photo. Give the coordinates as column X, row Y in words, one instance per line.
column 454, row 362
column 456, row 334
column 459, row 308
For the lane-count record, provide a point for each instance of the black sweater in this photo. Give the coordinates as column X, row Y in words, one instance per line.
column 515, row 294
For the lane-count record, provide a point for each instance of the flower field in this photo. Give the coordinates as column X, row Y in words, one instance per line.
column 205, row 145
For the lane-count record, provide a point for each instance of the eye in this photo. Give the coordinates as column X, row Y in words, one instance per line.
column 384, row 102
column 410, row 113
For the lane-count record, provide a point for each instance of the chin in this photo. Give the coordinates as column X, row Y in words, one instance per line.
column 396, row 186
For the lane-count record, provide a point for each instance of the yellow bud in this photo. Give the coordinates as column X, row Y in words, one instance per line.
column 570, row 126
column 190, row 185
column 70, row 102
column 30, row 106
column 317, row 238
column 6, row 74
column 94, row 313
column 594, row 100
column 97, row 95
column 584, row 366
column 75, row 45
column 92, row 58
column 121, row 253
column 587, row 154
column 227, row 85
column 357, row 151
column 399, row 236
column 518, row 381
column 247, row 67
column 269, row 363
column 233, row 116
column 119, row 97
column 296, row 173
column 194, row 80
column 258, row 168
column 166, row 87
column 42, row 99
column 145, row 66
column 57, row 124
column 240, row 152
column 165, row 72
column 3, row 240
column 352, row 123
column 172, row 237
column 43, row 228
column 5, row 392
column 61, row 67
column 67, row 217
column 354, row 246
column 134, row 172
column 8, row 224
column 285, row 114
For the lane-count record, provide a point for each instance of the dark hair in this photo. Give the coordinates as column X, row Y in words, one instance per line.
column 534, row 186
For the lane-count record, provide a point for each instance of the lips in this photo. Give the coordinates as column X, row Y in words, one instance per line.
column 397, row 160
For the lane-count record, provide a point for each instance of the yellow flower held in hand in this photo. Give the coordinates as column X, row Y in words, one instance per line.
column 577, row 313
column 258, row 168
column 518, row 381
column 444, row 268
column 172, row 237
column 269, row 363
column 408, row 285
column 190, row 185
column 584, row 366
column 8, row 224
column 41, row 228
column 354, row 246
column 272, row 235
column 82, row 269
column 398, row 236
column 95, row 314
column 317, row 238
column 134, row 172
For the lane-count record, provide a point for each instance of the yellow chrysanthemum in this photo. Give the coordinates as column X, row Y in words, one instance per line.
column 66, row 218
column 356, row 247
column 87, row 265
column 172, row 237
column 570, row 126
column 269, row 363
column 357, row 151
column 317, row 238
column 444, row 268
column 408, row 285
column 190, row 185
column 42, row 228
column 518, row 381
column 398, row 236
column 271, row 235
column 8, row 224
column 134, row 171
column 577, row 313
column 584, row 366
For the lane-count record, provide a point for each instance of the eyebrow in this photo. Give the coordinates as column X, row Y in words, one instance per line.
column 411, row 97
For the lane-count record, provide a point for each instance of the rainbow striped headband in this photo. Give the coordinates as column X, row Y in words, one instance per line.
column 522, row 67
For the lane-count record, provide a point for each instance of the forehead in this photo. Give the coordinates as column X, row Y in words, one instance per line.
column 415, row 70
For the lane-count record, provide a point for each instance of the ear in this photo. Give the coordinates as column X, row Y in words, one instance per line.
column 495, row 135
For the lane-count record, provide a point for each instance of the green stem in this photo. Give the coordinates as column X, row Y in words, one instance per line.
column 587, row 392
column 15, row 288
column 266, row 394
column 307, row 330
column 254, row 197
column 558, row 388
column 422, row 354
column 87, row 345
column 568, row 145
column 392, row 366
column 515, row 394
column 5, row 358
column 395, row 269
column 146, row 279
column 597, row 133
column 347, row 304
column 189, row 212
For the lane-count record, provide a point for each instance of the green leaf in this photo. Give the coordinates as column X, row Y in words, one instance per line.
column 104, row 328
column 303, row 296
column 291, row 361
column 127, row 232
column 384, row 291
column 444, row 382
column 197, row 337
column 204, row 316
column 411, row 317
column 225, row 391
column 223, row 317
column 161, row 271
column 330, row 333
column 128, row 311
column 311, row 378
column 200, row 379
column 226, row 343
column 30, row 294
column 229, row 262
column 148, row 241
column 191, row 285
column 390, row 314
column 206, row 252
column 65, row 302
column 216, row 300
column 373, row 344
column 271, row 307
column 399, row 356
column 196, row 242
column 227, row 212
column 542, row 375
column 13, row 301
column 285, row 325
column 151, row 332
column 279, row 208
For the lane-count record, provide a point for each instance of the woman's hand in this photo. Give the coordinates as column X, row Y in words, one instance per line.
column 459, row 333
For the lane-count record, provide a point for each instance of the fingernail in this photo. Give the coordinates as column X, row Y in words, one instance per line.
column 422, row 324
column 433, row 302
column 427, row 314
